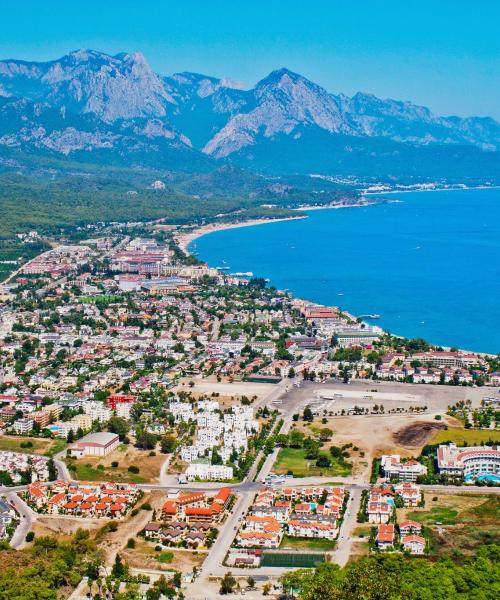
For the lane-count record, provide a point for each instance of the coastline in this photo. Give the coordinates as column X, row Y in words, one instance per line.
column 185, row 239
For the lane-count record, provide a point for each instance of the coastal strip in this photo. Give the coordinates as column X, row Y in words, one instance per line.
column 183, row 240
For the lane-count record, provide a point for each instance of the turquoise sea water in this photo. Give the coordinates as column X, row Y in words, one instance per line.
column 429, row 263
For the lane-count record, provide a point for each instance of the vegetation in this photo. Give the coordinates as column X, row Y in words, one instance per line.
column 466, row 437
column 400, row 578
column 49, row 568
column 294, row 460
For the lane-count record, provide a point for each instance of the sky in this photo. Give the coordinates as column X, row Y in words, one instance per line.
column 443, row 54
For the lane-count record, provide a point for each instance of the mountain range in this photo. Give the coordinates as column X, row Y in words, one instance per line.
column 93, row 107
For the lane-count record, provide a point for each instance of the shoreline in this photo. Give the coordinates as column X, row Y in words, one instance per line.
column 185, row 239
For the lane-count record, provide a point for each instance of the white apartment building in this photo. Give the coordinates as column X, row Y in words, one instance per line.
column 208, row 472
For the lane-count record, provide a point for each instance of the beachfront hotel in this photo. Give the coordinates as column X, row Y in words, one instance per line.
column 468, row 462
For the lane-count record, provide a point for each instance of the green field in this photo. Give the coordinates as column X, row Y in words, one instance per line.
column 294, row 460
column 271, row 559
column 438, row 514
column 461, row 436
column 47, row 447
column 296, row 543
column 86, row 472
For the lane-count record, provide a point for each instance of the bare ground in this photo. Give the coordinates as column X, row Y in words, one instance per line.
column 417, row 434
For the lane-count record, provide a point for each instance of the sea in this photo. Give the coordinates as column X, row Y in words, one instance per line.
column 427, row 262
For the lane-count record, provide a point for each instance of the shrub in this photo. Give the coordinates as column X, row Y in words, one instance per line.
column 114, row 464
column 30, row 536
column 131, row 543
column 133, row 469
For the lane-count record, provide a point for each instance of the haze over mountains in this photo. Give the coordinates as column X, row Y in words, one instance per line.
column 95, row 107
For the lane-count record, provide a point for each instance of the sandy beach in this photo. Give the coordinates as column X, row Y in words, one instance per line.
column 184, row 239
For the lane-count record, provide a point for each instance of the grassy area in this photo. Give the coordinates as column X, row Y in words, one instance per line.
column 294, row 460
column 46, row 446
column 462, row 436
column 438, row 514
column 57, row 446
column 294, row 543
column 115, row 466
column 467, row 522
column 296, row 559
column 87, row 472
column 165, row 557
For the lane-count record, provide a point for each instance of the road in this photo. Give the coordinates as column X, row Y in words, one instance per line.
column 342, row 552
column 26, row 518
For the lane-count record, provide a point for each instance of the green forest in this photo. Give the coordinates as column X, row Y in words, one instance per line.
column 401, row 578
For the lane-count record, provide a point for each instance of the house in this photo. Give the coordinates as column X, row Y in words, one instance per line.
column 312, row 529
column 415, row 544
column 379, row 512
column 250, row 539
column 385, row 536
column 152, row 530
column 194, row 539
column 409, row 493
column 407, row 527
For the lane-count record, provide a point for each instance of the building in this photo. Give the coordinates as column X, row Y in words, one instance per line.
column 96, row 444
column 385, row 536
column 208, row 472
column 393, row 467
column 409, row 493
column 468, row 462
column 414, row 544
column 23, row 426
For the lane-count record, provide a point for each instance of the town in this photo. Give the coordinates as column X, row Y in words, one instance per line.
column 213, row 433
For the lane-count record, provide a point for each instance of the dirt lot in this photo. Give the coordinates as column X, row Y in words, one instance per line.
column 374, row 435
column 113, row 542
column 125, row 456
column 229, row 393
column 144, row 556
column 39, row 445
column 62, row 527
column 417, row 434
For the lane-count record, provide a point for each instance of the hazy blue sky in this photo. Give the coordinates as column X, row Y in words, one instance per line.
column 441, row 53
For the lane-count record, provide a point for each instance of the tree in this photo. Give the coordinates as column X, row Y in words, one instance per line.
column 70, row 437
column 119, row 426
column 120, row 569
column 30, row 536
column 323, row 461
column 227, row 585
column 51, row 466
column 251, row 582
column 167, row 444
column 307, row 415
column 177, row 579
column 216, row 458
column 5, row 478
column 325, row 434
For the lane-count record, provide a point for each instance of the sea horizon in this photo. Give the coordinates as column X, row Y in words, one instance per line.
column 432, row 272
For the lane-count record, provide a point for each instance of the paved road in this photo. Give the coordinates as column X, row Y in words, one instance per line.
column 26, row 516
column 344, row 542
